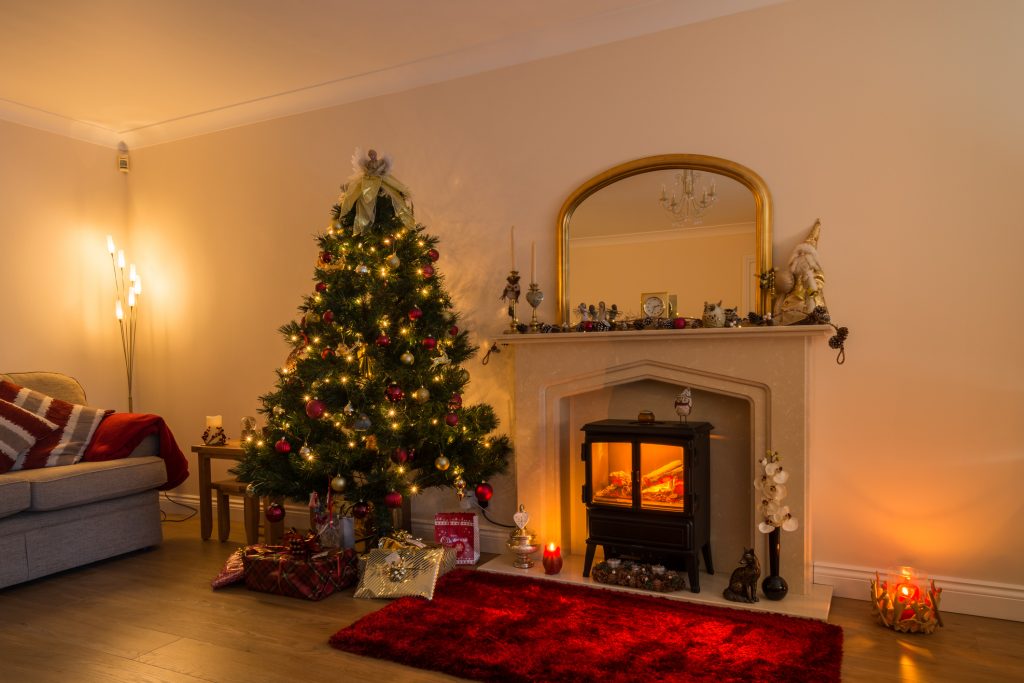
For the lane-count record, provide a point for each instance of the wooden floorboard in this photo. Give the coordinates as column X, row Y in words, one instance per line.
column 151, row 617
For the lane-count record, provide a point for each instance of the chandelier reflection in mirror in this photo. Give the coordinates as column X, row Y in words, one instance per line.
column 686, row 202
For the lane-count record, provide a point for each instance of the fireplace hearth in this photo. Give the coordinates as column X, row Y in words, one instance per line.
column 647, row 493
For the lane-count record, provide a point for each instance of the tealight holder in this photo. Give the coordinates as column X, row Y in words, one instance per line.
column 906, row 601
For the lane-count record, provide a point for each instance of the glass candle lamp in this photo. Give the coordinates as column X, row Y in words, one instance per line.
column 906, row 601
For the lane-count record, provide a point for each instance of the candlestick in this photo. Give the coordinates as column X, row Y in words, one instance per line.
column 534, row 297
column 552, row 559
column 511, row 296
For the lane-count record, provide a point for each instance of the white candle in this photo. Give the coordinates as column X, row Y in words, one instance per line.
column 110, row 244
column 119, row 310
column 131, row 273
column 533, row 262
column 512, row 245
column 138, row 286
column 120, row 258
column 213, row 421
column 131, row 298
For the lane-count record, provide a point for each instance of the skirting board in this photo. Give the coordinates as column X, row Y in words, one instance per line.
column 964, row 596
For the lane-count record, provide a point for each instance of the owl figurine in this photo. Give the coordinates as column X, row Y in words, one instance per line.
column 684, row 404
column 714, row 315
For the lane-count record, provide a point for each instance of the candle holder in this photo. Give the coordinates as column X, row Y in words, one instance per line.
column 534, row 297
column 906, row 602
column 511, row 296
column 552, row 559
column 522, row 541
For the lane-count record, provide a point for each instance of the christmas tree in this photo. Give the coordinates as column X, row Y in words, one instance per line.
column 368, row 405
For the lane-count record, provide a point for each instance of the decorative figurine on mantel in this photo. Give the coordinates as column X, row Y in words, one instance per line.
column 684, row 404
column 511, row 296
column 802, row 283
column 714, row 314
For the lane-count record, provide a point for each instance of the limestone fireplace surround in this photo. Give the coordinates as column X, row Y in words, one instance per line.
column 766, row 369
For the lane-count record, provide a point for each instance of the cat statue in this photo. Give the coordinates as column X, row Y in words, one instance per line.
column 732, row 318
column 714, row 315
column 743, row 582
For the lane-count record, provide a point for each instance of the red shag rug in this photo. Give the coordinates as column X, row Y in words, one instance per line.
column 495, row 627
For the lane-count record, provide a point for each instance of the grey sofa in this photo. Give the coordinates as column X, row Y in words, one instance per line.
column 56, row 518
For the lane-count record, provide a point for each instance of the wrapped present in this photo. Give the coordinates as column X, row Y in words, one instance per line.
column 399, row 538
column 461, row 531
column 404, row 571
column 233, row 571
column 277, row 570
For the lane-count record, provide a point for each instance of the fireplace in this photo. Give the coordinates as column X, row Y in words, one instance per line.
column 763, row 371
column 647, row 493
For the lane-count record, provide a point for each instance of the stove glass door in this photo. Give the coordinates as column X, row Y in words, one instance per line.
column 611, row 473
column 662, row 484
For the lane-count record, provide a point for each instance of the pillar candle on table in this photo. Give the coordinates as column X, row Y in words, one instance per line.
column 214, row 421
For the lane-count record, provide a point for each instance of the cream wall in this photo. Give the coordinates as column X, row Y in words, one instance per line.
column 59, row 199
column 898, row 124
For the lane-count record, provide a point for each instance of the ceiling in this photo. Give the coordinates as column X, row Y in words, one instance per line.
column 151, row 71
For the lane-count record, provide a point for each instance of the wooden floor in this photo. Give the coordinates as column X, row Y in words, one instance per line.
column 151, row 616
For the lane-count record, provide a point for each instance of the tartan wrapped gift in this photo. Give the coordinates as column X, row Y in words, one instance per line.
column 273, row 569
column 404, row 571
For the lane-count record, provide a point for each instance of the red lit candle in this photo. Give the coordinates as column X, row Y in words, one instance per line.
column 552, row 559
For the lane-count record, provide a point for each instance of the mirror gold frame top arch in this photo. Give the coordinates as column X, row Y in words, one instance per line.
column 696, row 162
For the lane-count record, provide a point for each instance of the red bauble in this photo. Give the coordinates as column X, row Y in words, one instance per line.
column 427, row 271
column 315, row 408
column 326, row 353
column 326, row 256
column 679, row 323
column 453, row 330
column 399, row 456
column 328, row 316
column 360, row 510
column 451, row 419
column 383, row 340
column 415, row 313
column 429, row 343
column 433, row 254
column 274, row 513
column 282, row 446
column 321, row 287
column 394, row 392
column 393, row 499
column 484, row 491
column 455, row 402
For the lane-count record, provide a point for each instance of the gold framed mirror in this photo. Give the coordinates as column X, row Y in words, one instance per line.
column 696, row 227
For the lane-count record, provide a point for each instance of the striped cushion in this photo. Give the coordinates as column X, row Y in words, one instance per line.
column 67, row 443
column 19, row 431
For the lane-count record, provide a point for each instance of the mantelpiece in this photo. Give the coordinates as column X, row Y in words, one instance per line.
column 764, row 370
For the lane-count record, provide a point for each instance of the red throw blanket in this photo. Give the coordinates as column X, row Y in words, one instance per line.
column 119, row 434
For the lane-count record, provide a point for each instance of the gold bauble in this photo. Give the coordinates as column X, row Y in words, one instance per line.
column 421, row 395
column 338, row 483
column 441, row 463
column 408, row 358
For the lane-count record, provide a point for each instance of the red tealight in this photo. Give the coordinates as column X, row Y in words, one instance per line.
column 552, row 559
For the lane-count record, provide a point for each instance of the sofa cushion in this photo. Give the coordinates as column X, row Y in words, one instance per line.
column 19, row 432
column 15, row 495
column 55, row 384
column 61, row 487
column 76, row 424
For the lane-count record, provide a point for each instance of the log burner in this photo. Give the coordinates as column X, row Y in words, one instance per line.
column 647, row 492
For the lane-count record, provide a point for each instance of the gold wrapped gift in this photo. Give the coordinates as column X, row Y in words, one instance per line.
column 398, row 539
column 404, row 571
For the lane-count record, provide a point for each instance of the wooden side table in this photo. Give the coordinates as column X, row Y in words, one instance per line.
column 230, row 451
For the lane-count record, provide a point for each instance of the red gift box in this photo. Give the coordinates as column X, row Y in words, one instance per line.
column 461, row 531
column 275, row 570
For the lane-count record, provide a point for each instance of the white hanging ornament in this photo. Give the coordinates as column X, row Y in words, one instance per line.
column 362, row 269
